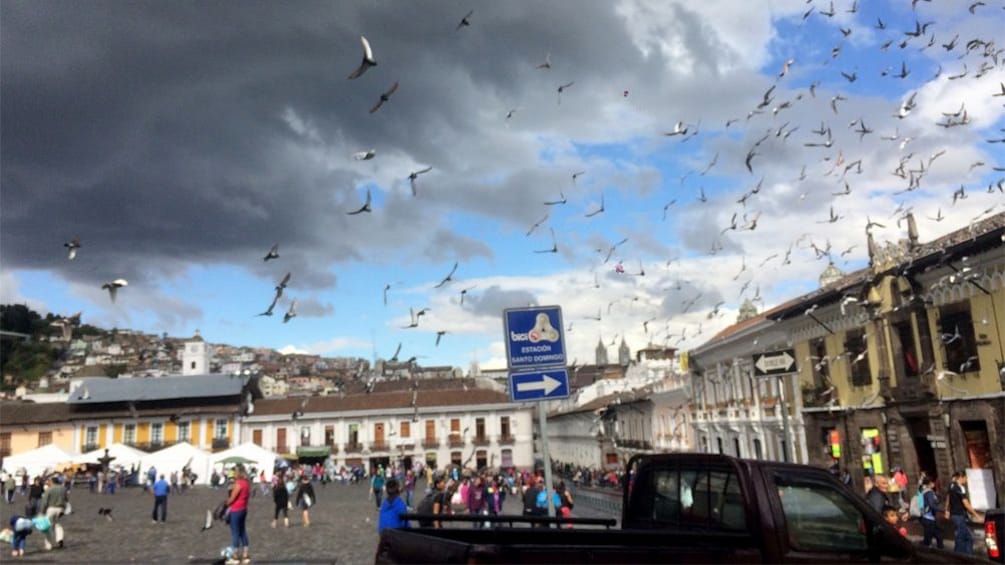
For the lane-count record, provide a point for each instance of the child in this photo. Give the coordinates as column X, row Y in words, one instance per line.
column 22, row 527
column 306, row 498
column 892, row 517
column 391, row 508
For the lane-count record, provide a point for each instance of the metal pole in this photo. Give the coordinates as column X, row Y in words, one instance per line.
column 786, row 453
column 542, row 425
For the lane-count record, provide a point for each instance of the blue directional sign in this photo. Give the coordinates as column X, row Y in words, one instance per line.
column 534, row 337
column 544, row 384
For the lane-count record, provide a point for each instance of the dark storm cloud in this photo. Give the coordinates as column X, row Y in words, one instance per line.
column 163, row 135
column 493, row 300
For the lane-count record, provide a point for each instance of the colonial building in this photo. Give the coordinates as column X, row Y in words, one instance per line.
column 152, row 413
column 468, row 422
column 905, row 359
column 195, row 356
column 28, row 425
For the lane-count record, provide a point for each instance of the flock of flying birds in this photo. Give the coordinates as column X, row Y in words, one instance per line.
column 976, row 57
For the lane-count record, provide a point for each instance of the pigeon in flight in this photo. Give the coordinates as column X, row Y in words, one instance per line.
column 547, row 62
column 268, row 312
column 365, row 207
column 415, row 175
column 66, row 325
column 576, row 175
column 561, row 89
column 113, row 287
column 448, row 278
column 561, row 200
column 364, row 155
column 384, row 97
column 273, row 253
column 554, row 244
column 71, row 248
column 465, row 21
column 465, row 291
column 439, row 335
column 368, row 60
column 292, row 312
column 282, row 285
column 598, row 210
column 537, row 224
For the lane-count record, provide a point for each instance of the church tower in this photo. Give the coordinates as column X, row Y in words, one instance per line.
column 195, row 357
column 601, row 353
column 624, row 354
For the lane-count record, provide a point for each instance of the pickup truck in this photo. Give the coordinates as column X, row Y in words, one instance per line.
column 994, row 534
column 686, row 508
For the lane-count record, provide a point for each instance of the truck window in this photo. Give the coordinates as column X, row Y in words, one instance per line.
column 697, row 498
column 818, row 517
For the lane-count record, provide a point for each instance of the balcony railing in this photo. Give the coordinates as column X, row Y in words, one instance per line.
column 506, row 439
column 353, row 447
column 636, row 444
column 378, row 446
column 221, row 443
column 481, row 440
column 456, row 442
column 430, row 443
column 282, row 448
column 90, row 447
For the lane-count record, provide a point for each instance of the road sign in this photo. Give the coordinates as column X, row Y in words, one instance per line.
column 775, row 363
column 534, row 337
column 545, row 384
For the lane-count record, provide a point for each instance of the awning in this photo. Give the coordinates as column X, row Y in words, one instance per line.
column 314, row 451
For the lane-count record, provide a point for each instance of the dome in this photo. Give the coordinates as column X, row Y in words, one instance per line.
column 830, row 275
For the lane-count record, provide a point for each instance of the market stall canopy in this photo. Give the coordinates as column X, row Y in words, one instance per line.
column 175, row 458
column 38, row 461
column 124, row 456
column 262, row 459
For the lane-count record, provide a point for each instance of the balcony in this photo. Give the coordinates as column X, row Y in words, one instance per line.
column 282, row 448
column 353, row 447
column 90, row 447
column 378, row 446
column 637, row 444
column 221, row 443
column 481, row 440
column 456, row 441
column 506, row 440
column 430, row 443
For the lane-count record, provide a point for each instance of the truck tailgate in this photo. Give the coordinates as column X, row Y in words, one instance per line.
column 551, row 546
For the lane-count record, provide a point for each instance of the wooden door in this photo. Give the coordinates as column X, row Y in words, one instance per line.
column 378, row 434
column 281, row 440
column 256, row 437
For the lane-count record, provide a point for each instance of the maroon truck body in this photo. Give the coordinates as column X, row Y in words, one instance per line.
column 691, row 508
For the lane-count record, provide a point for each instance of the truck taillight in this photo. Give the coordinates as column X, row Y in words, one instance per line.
column 991, row 539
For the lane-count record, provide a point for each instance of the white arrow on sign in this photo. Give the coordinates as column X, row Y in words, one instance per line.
column 547, row 384
column 782, row 362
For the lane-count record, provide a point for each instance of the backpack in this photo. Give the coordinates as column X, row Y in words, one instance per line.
column 917, row 508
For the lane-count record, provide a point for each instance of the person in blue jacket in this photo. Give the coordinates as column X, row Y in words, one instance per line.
column 391, row 508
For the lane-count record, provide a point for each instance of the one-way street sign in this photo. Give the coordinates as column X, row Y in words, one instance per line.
column 775, row 363
column 546, row 384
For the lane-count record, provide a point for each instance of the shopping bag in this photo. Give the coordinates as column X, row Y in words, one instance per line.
column 42, row 523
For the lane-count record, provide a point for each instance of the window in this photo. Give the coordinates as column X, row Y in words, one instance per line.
column 758, row 450
column 184, row 432
column 305, row 436
column 256, row 437
column 5, row 444
column 129, row 434
column 856, row 350
column 455, row 458
column 821, row 363
column 818, row 517
column 221, row 429
column 353, row 434
column 957, row 336
column 455, row 427
column 481, row 459
column 44, row 438
column 480, row 428
column 329, row 435
column 903, row 333
column 430, row 430
column 507, row 458
column 157, row 433
column 736, row 447
column 504, row 430
column 718, row 442
column 192, row 366
column 91, row 437
column 691, row 496
column 406, row 429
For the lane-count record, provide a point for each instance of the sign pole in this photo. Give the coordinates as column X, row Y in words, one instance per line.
column 542, row 424
column 783, row 406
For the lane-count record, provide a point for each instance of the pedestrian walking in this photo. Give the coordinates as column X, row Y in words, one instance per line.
column 392, row 509
column 54, row 502
column 9, row 483
column 305, row 498
column 959, row 510
column 237, row 502
column 476, row 501
column 34, row 496
column 930, row 511
column 161, row 491
column 409, row 487
column 281, row 498
column 377, row 486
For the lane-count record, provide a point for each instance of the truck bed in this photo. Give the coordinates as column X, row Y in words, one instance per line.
column 539, row 545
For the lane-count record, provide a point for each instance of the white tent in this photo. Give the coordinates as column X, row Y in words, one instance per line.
column 124, row 456
column 174, row 458
column 37, row 461
column 264, row 460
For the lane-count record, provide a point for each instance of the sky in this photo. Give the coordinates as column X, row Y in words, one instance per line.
column 178, row 142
